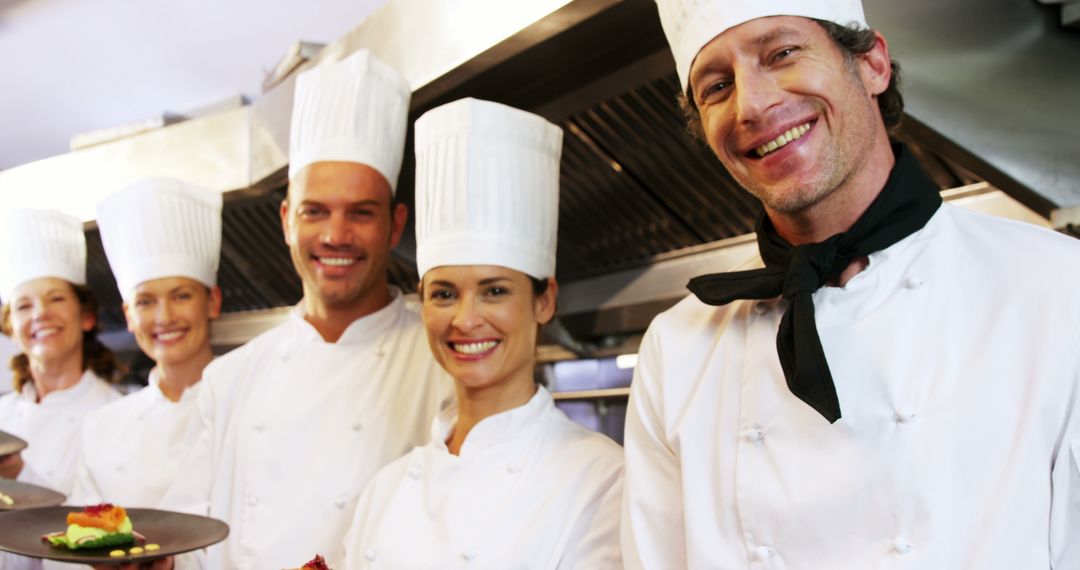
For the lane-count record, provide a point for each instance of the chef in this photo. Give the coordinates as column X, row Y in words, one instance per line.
column 62, row 371
column 895, row 383
column 507, row 481
column 296, row 422
column 163, row 241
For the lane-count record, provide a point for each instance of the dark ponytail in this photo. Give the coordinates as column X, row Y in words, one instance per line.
column 96, row 356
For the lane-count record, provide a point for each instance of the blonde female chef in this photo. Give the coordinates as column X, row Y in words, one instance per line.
column 508, row 481
column 52, row 316
column 163, row 240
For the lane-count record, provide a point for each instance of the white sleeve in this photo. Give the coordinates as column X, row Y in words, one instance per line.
column 595, row 542
column 653, row 535
column 190, row 490
column 1065, row 488
column 354, row 558
column 191, row 561
column 85, row 490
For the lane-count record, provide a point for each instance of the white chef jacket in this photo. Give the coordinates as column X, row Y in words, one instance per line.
column 51, row 427
column 132, row 448
column 530, row 489
column 956, row 358
column 293, row 427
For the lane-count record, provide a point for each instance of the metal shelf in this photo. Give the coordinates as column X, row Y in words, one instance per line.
column 591, row 394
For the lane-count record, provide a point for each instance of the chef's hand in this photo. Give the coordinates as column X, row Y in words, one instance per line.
column 11, row 465
column 159, row 564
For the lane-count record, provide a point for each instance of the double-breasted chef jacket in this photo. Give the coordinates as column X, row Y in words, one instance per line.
column 52, row 428
column 530, row 489
column 132, row 448
column 293, row 427
column 956, row 358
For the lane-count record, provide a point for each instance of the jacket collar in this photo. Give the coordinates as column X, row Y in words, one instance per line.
column 189, row 394
column 60, row 397
column 363, row 330
column 493, row 430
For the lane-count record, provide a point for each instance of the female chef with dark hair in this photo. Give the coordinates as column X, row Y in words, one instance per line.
column 52, row 317
column 508, row 480
column 162, row 237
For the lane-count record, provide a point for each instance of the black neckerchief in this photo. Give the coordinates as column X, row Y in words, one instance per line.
column 903, row 207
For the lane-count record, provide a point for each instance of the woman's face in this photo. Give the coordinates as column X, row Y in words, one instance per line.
column 47, row 320
column 170, row 318
column 482, row 322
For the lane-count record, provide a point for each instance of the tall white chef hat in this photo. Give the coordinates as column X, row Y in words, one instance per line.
column 691, row 24
column 487, row 188
column 161, row 227
column 353, row 110
column 40, row 243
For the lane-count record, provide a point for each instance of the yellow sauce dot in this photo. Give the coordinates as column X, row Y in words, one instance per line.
column 136, row 550
column 116, row 553
column 152, row 547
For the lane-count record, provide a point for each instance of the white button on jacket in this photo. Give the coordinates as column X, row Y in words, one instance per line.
column 960, row 394
column 557, row 507
column 280, row 489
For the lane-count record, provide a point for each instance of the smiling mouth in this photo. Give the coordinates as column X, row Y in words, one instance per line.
column 336, row 261
column 45, row 333
column 793, row 134
column 169, row 336
column 473, row 348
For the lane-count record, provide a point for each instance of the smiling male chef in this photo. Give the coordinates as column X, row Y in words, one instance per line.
column 297, row 421
column 895, row 383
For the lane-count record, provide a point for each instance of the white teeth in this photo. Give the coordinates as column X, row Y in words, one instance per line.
column 337, row 261
column 166, row 337
column 783, row 139
column 474, row 347
column 46, row 332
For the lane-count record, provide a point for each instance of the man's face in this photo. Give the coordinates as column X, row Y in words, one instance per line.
column 340, row 226
column 783, row 110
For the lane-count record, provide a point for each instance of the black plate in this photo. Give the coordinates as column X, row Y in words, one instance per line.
column 28, row 496
column 21, row 532
column 10, row 444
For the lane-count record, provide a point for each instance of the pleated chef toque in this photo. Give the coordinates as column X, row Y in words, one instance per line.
column 353, row 110
column 691, row 24
column 487, row 188
column 40, row 243
column 161, row 227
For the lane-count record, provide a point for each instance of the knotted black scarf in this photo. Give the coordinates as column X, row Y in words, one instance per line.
column 904, row 206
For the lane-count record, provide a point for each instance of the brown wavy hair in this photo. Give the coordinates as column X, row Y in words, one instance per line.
column 852, row 43
column 95, row 355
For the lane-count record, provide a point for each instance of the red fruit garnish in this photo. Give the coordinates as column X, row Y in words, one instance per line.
column 317, row 563
column 97, row 509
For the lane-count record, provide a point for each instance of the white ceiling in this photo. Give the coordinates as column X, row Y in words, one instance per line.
column 75, row 66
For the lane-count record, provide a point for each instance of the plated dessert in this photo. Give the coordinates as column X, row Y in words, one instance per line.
column 96, row 526
column 105, row 534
